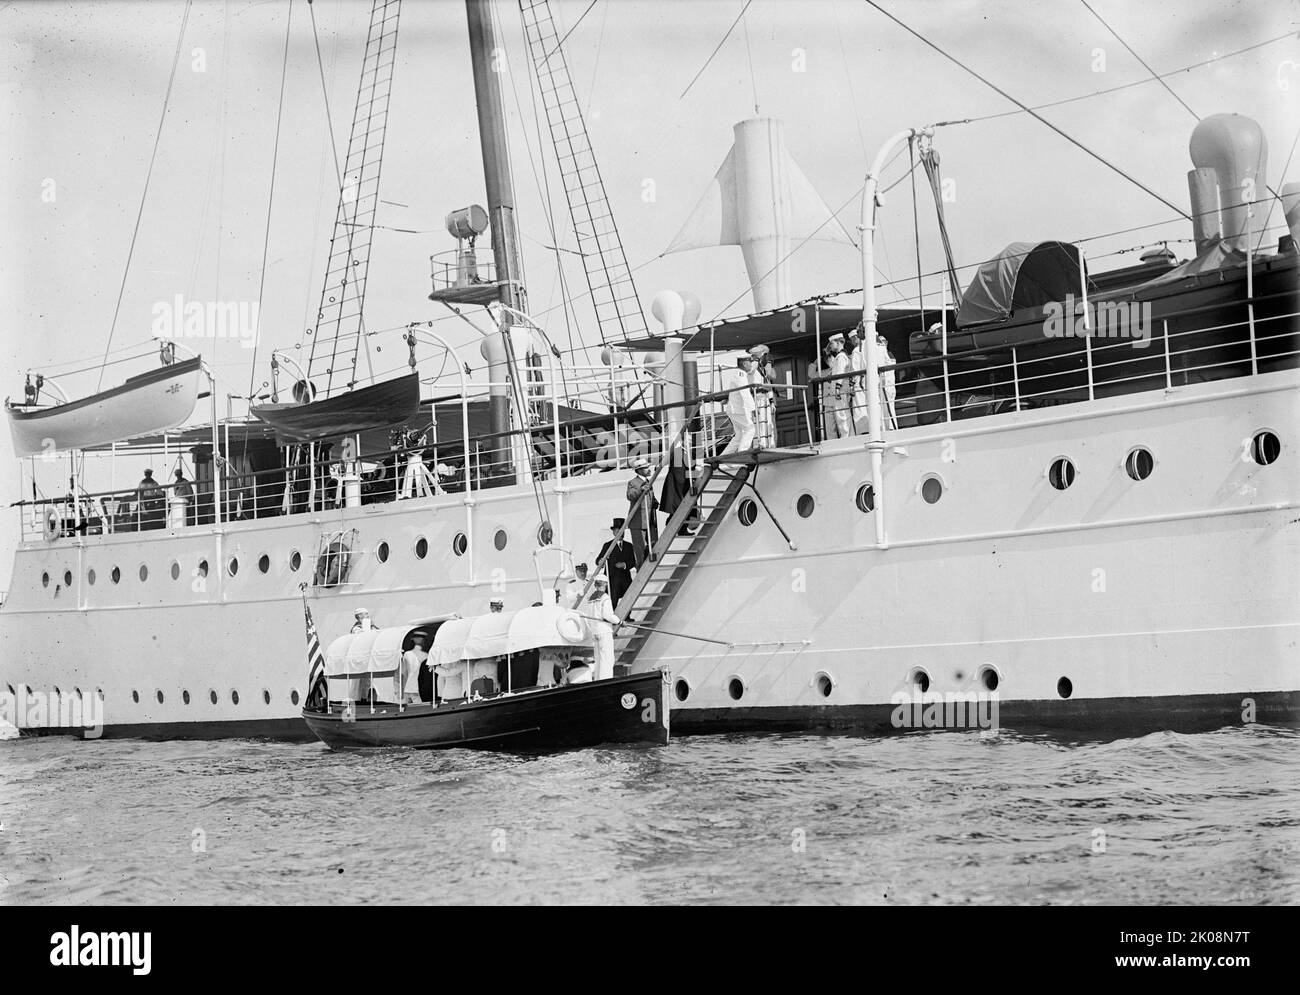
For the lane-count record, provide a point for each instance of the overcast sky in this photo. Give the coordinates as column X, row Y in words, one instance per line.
column 82, row 85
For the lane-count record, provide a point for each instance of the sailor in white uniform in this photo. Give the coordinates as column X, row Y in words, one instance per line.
column 858, row 397
column 598, row 610
column 740, row 406
column 840, row 389
column 888, row 388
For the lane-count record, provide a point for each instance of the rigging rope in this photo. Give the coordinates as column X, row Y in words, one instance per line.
column 270, row 197
column 153, row 156
column 716, row 49
column 1029, row 110
column 1153, row 73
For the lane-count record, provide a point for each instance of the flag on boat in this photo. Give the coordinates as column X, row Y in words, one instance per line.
column 317, row 686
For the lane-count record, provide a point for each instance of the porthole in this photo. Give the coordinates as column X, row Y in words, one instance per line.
column 203, row 568
column 681, row 690
column 736, row 688
column 747, row 512
column 295, row 560
column 1139, row 463
column 232, row 565
column 1061, row 473
column 919, row 678
column 544, row 534
column 176, row 570
column 116, row 575
column 135, row 697
column 293, row 696
column 185, row 697
column 824, row 685
column 263, row 563
column 212, row 696
column 460, row 543
column 500, row 539
column 931, row 489
column 988, row 678
column 381, row 552
column 1265, row 448
column 90, row 576
column 1064, row 687
column 266, row 697
column 866, row 499
column 421, row 548
column 45, row 580
column 234, row 697
column 67, row 578
column 143, row 572
column 805, row 505
column 160, row 696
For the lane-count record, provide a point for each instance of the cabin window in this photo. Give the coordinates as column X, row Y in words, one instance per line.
column 203, row 568
column 144, row 572
column 90, row 576
column 1265, row 448
column 293, row 696
column 135, row 697
column 266, row 697
column 1139, row 463
column 381, row 552
column 234, row 697
column 931, row 489
column 185, row 697
column 295, row 560
column 1064, row 687
column 212, row 696
column 67, row 578
column 421, row 548
column 160, row 696
column 500, row 539
column 988, row 678
column 919, row 678
column 460, row 544
column 232, row 565
column 116, row 575
column 176, row 570
column 45, row 579
column 824, row 684
column 545, row 534
column 866, row 499
column 747, row 512
column 736, row 688
column 1061, row 473
column 805, row 505
column 263, row 563
column 681, row 689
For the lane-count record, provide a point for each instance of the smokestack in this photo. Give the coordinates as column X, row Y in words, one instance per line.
column 1231, row 159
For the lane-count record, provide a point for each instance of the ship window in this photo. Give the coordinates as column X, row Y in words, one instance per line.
column 919, row 679
column 234, row 697
column 232, row 565
column 735, row 688
column 293, row 696
column 185, row 697
column 805, row 505
column 824, row 684
column 135, row 696
column 989, row 679
column 295, row 560
column 90, row 576
column 160, row 697
column 144, row 572
column 545, row 534
column 263, row 563
column 500, row 539
column 1061, row 473
column 1139, row 463
column 747, row 512
column 67, row 578
column 45, row 580
column 203, row 568
column 681, row 689
column 866, row 499
column 421, row 548
column 1265, row 448
column 116, row 575
column 266, row 696
column 1064, row 688
column 176, row 570
column 460, row 544
column 381, row 552
column 931, row 489
column 212, row 696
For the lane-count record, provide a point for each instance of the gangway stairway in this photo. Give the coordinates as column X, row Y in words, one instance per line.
column 674, row 555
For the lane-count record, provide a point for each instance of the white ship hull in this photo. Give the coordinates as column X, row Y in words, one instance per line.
column 1171, row 602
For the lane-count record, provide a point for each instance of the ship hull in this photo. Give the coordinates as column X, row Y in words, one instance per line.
column 1114, row 606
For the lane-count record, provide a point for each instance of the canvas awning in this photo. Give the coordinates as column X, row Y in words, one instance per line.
column 381, row 405
column 546, row 625
column 1023, row 275
column 503, row 633
column 376, row 651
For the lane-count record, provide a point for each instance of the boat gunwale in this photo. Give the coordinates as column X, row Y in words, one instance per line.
column 181, row 368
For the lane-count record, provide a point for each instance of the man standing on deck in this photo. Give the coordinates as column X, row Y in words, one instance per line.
column 858, row 392
column 618, row 564
column 740, row 406
column 601, row 619
column 840, row 389
column 182, row 498
column 363, row 623
column 150, row 502
column 645, row 522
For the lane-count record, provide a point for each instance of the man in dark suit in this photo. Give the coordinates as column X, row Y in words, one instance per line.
column 645, row 524
column 618, row 565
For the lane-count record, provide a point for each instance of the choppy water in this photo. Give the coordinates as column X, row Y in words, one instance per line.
column 923, row 818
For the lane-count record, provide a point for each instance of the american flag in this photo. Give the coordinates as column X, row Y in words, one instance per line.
column 317, row 685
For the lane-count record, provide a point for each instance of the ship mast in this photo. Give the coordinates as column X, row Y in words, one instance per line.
column 486, row 57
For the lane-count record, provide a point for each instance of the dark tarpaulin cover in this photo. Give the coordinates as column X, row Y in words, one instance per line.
column 1215, row 257
column 382, row 405
column 1024, row 274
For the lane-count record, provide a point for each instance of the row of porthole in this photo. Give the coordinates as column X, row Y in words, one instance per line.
column 1139, row 464
column 185, row 695
column 987, row 677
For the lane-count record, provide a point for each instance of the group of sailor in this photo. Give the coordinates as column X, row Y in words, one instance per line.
column 750, row 402
column 844, row 399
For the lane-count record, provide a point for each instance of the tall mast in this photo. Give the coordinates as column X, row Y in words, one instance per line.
column 488, row 61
